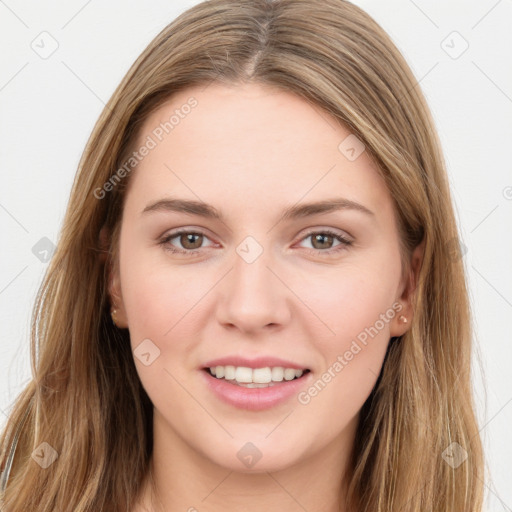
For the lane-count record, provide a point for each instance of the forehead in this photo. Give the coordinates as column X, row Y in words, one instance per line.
column 251, row 142
column 239, row 119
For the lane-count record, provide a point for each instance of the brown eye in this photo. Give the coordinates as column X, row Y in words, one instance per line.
column 191, row 240
column 184, row 242
column 326, row 242
column 322, row 241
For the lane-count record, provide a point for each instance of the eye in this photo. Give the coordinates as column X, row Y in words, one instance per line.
column 322, row 241
column 191, row 241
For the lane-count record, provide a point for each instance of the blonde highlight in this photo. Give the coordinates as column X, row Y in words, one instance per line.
column 85, row 398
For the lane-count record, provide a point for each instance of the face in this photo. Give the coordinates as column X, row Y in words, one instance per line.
column 257, row 285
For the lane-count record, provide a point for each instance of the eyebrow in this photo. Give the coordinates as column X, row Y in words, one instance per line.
column 293, row 212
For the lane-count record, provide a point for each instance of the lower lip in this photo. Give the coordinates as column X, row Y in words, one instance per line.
column 255, row 399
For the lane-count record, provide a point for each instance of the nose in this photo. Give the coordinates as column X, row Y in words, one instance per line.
column 253, row 297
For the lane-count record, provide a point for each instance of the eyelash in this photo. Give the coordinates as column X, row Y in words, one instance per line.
column 344, row 242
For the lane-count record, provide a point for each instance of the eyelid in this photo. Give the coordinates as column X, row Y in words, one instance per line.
column 345, row 240
column 325, row 229
column 165, row 238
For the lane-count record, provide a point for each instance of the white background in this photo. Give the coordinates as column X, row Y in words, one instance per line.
column 49, row 106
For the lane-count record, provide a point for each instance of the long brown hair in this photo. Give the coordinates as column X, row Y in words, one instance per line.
column 85, row 399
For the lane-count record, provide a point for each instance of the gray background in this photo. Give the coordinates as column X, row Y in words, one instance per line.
column 50, row 102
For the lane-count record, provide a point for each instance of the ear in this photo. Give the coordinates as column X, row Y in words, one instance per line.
column 408, row 285
column 114, row 282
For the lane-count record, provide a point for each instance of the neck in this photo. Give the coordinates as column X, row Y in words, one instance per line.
column 182, row 479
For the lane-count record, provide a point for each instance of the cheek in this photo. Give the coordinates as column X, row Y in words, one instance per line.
column 158, row 302
column 358, row 303
column 351, row 299
column 156, row 299
column 351, row 358
column 156, row 294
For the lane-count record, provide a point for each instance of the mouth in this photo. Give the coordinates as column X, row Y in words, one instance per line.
column 264, row 377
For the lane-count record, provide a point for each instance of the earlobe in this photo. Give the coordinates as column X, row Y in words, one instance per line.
column 403, row 320
column 117, row 311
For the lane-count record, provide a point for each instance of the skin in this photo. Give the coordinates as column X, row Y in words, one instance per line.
column 251, row 151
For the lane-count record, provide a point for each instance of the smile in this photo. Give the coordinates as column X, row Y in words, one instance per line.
column 255, row 377
column 242, row 386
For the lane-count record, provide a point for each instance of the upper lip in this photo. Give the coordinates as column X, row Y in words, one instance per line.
column 257, row 362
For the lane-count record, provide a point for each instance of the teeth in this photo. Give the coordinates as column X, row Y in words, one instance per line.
column 229, row 372
column 242, row 374
column 257, row 377
column 277, row 373
column 289, row 374
column 262, row 375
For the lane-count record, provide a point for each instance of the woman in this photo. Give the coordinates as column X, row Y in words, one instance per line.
column 198, row 346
